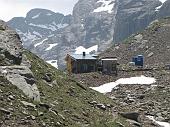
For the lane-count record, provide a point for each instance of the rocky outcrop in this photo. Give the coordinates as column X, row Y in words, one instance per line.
column 10, row 46
column 22, row 77
column 10, row 61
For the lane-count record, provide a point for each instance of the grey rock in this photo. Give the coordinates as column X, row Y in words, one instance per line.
column 22, row 77
column 2, row 57
column 33, row 117
column 27, row 104
column 120, row 124
column 45, row 105
column 48, row 77
column 40, row 113
column 101, row 106
column 131, row 115
column 93, row 102
column 4, row 111
column 11, row 97
column 150, row 54
column 136, row 124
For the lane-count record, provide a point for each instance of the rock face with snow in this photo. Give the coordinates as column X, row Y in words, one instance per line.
column 93, row 22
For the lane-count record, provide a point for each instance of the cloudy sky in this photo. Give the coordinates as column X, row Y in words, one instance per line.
column 16, row 8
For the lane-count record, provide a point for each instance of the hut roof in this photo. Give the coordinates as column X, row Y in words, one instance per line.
column 81, row 57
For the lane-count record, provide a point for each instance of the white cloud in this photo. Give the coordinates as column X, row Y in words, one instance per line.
column 17, row 8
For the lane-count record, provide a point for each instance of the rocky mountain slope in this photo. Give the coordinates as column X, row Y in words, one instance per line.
column 93, row 22
column 145, row 100
column 35, row 94
column 153, row 43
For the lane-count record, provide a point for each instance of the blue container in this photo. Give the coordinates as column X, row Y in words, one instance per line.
column 138, row 60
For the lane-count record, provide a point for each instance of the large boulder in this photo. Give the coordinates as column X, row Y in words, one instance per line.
column 22, row 77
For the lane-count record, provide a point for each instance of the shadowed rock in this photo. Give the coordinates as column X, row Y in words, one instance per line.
column 131, row 115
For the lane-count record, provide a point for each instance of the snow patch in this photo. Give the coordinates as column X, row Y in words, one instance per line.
column 36, row 16
column 27, row 36
column 51, row 35
column 38, row 25
column 49, row 14
column 52, row 27
column 59, row 26
column 158, row 8
column 51, row 46
column 40, row 43
column 162, row 124
column 106, row 6
column 81, row 49
column 162, row 1
column 53, row 63
column 132, row 80
column 38, row 34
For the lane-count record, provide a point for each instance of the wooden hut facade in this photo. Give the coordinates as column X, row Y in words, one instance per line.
column 109, row 65
column 81, row 63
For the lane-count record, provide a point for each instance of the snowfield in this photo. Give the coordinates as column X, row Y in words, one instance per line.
column 40, row 43
column 53, row 63
column 162, row 124
column 133, row 80
column 106, row 6
column 36, row 16
column 51, row 46
column 162, row 1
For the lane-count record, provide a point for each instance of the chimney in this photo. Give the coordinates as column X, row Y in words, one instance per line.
column 84, row 53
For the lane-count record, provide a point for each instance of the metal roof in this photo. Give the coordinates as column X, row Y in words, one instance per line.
column 81, row 57
column 111, row 59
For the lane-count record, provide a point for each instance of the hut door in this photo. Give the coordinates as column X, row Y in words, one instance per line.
column 84, row 68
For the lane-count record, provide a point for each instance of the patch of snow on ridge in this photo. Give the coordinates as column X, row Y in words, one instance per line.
column 40, row 43
column 61, row 25
column 38, row 34
column 36, row 16
column 38, row 25
column 106, row 6
column 53, row 63
column 132, row 80
column 27, row 36
column 49, row 14
column 162, row 124
column 51, row 46
column 81, row 49
column 162, row 1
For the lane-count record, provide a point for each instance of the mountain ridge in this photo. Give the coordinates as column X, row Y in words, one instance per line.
column 93, row 22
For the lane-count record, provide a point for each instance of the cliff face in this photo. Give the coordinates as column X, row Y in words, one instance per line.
column 153, row 43
column 134, row 16
column 93, row 22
